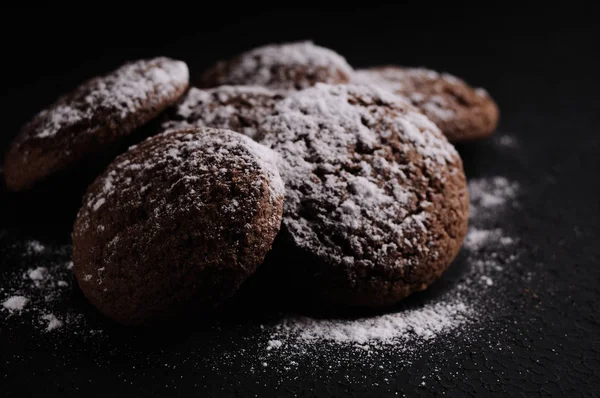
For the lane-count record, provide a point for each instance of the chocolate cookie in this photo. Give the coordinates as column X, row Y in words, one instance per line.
column 376, row 199
column 176, row 224
column 281, row 67
column 460, row 111
column 237, row 108
column 90, row 119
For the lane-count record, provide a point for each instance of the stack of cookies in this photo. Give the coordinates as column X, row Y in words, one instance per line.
column 346, row 178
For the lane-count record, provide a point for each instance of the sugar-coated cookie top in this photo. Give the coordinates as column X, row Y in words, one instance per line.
column 122, row 92
column 93, row 119
column 237, row 108
column 459, row 110
column 184, row 155
column 282, row 67
column 366, row 176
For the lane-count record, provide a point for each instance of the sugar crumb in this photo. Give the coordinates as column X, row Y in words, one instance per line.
column 15, row 303
column 53, row 322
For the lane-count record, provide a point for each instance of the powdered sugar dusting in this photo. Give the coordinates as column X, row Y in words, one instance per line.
column 507, row 141
column 377, row 77
column 237, row 108
column 477, row 238
column 183, row 155
column 436, row 107
column 424, row 88
column 38, row 274
column 53, row 322
column 123, row 92
column 335, row 144
column 490, row 193
column 400, row 79
column 406, row 81
column 274, row 344
column 43, row 294
column 424, row 323
column 287, row 66
column 15, row 303
column 34, row 246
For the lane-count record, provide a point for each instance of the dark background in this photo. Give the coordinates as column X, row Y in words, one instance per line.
column 541, row 65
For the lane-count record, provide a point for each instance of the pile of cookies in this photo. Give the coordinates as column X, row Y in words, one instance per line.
column 346, row 178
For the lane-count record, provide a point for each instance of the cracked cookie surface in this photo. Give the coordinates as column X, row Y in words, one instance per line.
column 376, row 199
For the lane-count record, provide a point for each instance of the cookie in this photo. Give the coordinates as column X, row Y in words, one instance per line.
column 462, row 112
column 237, row 108
column 289, row 66
column 92, row 118
column 376, row 198
column 176, row 224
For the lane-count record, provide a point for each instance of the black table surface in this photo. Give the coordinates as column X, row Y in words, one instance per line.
column 542, row 68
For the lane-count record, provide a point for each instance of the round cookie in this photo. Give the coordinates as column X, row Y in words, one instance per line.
column 376, row 198
column 237, row 108
column 289, row 66
column 462, row 113
column 92, row 118
column 176, row 224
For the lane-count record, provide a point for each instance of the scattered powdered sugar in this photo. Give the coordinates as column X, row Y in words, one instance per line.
column 411, row 328
column 33, row 247
column 424, row 323
column 43, row 294
column 476, row 238
column 53, row 322
column 38, row 274
column 487, row 280
column 489, row 193
column 481, row 238
column 506, row 141
column 123, row 92
column 286, row 66
column 15, row 303
column 274, row 344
